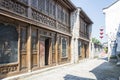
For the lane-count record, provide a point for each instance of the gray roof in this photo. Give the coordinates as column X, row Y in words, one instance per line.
column 111, row 4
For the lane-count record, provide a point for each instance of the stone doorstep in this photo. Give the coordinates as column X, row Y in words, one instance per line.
column 24, row 75
column 84, row 60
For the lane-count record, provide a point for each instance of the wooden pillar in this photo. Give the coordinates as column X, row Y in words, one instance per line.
column 69, row 50
column 56, row 48
column 50, row 51
column 29, row 49
column 88, row 50
column 56, row 36
column 19, row 48
column 38, row 47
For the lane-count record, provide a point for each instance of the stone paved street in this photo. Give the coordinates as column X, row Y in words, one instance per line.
column 96, row 69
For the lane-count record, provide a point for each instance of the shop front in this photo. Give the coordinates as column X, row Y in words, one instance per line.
column 25, row 47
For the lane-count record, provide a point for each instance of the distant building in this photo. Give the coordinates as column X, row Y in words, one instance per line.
column 81, row 35
column 112, row 21
column 96, row 49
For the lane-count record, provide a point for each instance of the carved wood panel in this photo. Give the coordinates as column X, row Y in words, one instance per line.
column 8, row 68
column 43, row 19
column 24, row 1
column 63, row 27
column 14, row 6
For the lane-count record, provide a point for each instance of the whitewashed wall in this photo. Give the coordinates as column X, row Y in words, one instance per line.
column 112, row 21
column 75, row 34
column 75, row 27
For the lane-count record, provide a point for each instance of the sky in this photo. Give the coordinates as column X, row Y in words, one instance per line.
column 94, row 10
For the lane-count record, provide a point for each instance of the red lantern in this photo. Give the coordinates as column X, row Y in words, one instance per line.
column 101, row 29
column 101, row 37
column 101, row 33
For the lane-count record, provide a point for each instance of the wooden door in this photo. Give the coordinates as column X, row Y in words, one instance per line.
column 42, row 53
column 23, row 48
column 83, row 51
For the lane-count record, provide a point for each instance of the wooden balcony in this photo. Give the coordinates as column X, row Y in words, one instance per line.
column 24, row 9
column 83, row 35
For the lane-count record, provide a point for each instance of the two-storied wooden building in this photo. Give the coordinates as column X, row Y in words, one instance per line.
column 34, row 34
column 81, row 28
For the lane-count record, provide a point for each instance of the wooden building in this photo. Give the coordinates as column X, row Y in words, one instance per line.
column 81, row 39
column 34, row 34
column 84, row 35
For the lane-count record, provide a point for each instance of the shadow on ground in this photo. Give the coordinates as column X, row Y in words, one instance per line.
column 107, row 71
column 72, row 77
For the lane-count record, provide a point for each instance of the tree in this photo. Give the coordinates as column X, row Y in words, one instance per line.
column 96, row 41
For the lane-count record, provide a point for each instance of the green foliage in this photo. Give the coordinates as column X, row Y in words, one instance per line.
column 106, row 49
column 96, row 41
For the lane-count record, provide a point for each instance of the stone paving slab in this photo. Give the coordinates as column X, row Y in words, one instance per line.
column 95, row 69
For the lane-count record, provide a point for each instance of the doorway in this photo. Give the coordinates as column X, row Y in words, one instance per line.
column 44, row 50
column 85, row 50
column 47, row 46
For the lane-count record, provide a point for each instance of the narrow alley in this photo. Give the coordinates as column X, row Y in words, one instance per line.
column 96, row 69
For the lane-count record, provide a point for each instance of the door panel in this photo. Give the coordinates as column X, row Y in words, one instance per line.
column 42, row 53
column 23, row 61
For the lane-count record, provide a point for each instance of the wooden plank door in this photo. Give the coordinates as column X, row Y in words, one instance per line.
column 42, row 53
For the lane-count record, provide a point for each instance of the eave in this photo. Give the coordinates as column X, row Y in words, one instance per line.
column 84, row 16
column 68, row 4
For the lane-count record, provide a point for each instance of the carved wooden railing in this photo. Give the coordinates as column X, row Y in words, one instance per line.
column 4, row 69
column 23, row 1
column 15, row 6
column 62, row 27
column 36, row 15
column 83, row 35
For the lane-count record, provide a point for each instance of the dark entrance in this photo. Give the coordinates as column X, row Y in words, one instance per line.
column 85, row 50
column 47, row 46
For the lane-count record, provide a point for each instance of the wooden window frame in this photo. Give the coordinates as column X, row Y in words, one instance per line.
column 66, row 47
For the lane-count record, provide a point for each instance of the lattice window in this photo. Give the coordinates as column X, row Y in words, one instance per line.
column 50, row 8
column 62, row 15
column 35, row 3
column 47, row 6
column 54, row 9
column 43, row 5
column 66, row 18
column 34, row 39
column 64, row 47
column 23, row 41
column 40, row 4
column 58, row 12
